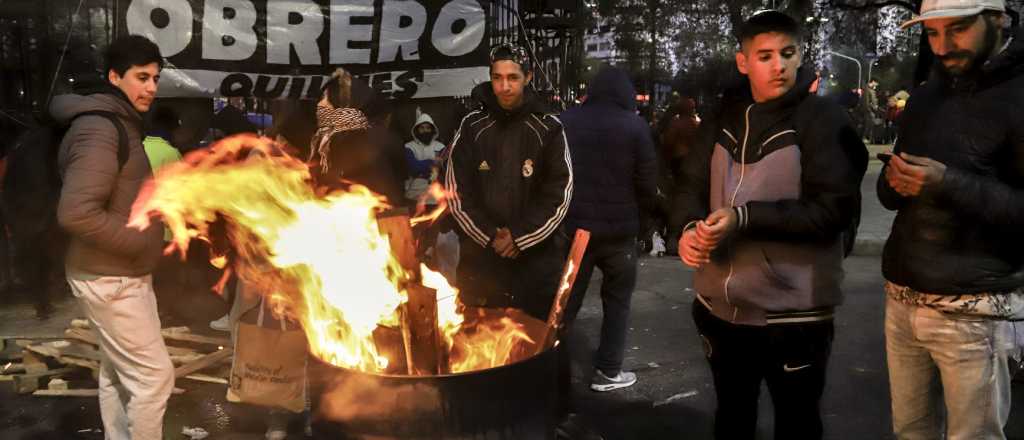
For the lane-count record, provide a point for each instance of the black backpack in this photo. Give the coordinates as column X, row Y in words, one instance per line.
column 32, row 183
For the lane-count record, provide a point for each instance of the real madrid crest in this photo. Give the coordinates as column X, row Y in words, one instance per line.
column 528, row 168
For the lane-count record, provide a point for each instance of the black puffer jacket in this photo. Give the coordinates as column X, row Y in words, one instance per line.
column 967, row 235
column 613, row 159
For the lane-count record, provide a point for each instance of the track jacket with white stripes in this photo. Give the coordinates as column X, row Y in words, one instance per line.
column 512, row 170
column 509, row 169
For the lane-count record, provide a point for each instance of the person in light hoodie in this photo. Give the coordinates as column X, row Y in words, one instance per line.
column 421, row 156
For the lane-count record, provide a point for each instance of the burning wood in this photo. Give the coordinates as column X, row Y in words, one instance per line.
column 325, row 260
column 572, row 265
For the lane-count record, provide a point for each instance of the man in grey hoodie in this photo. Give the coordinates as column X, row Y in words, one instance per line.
column 768, row 198
column 108, row 264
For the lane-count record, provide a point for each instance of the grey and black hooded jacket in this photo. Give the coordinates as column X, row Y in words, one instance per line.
column 96, row 196
column 966, row 236
column 792, row 168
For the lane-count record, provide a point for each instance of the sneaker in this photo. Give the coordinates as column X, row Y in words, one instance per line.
column 572, row 428
column 602, row 382
column 222, row 324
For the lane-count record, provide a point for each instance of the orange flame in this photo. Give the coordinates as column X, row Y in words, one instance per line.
column 437, row 192
column 319, row 258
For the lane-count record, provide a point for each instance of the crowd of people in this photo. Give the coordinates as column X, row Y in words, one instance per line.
column 762, row 199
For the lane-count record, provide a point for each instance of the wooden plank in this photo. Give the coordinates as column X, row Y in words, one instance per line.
column 82, row 334
column 204, row 362
column 179, row 351
column 419, row 314
column 33, row 363
column 77, row 354
column 419, row 331
column 27, row 383
column 67, row 393
column 395, row 225
column 72, row 350
column 23, row 342
column 82, row 393
column 177, row 335
column 569, row 272
column 207, row 378
column 88, row 336
column 186, row 359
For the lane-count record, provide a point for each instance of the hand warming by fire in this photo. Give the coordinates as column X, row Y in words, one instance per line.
column 319, row 257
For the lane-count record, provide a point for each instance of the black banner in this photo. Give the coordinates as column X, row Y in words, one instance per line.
column 285, row 48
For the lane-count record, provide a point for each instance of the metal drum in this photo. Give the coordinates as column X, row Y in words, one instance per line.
column 511, row 402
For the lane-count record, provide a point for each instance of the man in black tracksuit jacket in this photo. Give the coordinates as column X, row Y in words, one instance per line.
column 509, row 183
column 779, row 171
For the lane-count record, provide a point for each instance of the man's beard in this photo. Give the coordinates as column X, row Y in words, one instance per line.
column 974, row 60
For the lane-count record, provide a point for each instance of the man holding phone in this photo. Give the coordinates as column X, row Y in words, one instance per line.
column 953, row 264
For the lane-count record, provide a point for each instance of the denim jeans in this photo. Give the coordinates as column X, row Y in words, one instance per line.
column 939, row 361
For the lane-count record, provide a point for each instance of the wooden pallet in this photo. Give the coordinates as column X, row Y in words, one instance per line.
column 34, row 368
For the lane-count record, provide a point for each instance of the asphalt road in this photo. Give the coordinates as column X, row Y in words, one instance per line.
column 673, row 399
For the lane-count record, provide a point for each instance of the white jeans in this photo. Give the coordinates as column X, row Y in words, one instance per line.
column 136, row 375
column 938, row 362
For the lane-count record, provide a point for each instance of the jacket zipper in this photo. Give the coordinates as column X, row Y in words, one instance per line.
column 732, row 203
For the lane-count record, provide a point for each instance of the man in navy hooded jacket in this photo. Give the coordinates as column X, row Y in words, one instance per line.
column 615, row 170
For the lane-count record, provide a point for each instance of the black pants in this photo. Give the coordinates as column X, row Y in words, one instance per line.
column 791, row 358
column 527, row 282
column 616, row 258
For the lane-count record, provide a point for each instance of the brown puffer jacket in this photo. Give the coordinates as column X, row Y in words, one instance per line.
column 96, row 197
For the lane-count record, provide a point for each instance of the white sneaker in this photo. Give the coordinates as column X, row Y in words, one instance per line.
column 601, row 382
column 222, row 324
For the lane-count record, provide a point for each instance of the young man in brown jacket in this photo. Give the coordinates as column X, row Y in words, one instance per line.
column 108, row 264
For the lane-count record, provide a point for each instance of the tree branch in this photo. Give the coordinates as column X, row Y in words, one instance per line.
column 874, row 5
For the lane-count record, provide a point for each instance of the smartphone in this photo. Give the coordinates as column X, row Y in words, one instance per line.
column 884, row 157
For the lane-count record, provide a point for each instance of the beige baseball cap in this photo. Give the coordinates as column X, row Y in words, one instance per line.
column 931, row 9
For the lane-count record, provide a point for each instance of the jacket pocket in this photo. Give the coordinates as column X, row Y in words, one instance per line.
column 773, row 276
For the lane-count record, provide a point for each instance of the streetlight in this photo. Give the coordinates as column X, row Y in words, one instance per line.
column 872, row 60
